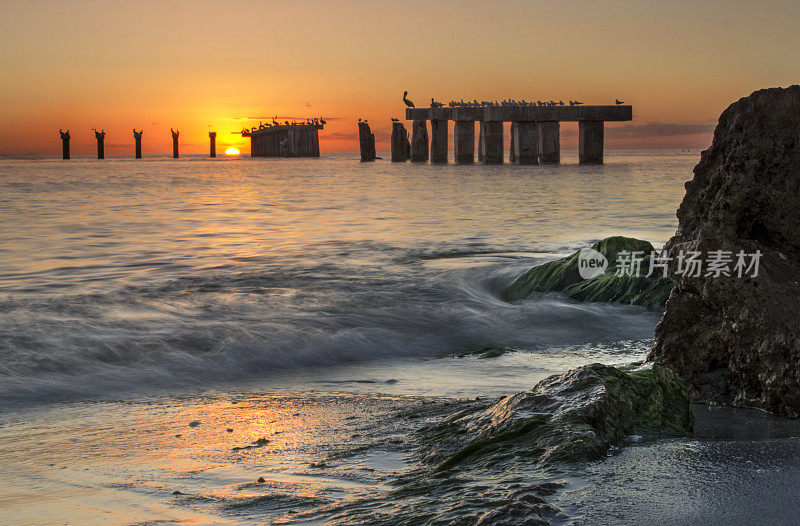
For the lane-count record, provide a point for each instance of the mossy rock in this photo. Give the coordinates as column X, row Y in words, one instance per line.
column 562, row 275
column 576, row 416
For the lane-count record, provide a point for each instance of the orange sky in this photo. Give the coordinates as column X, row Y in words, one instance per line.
column 201, row 65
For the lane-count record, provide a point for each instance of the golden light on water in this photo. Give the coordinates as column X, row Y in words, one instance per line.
column 231, row 151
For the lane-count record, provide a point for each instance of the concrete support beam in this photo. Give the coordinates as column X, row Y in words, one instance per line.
column 493, row 142
column 481, row 141
column 399, row 143
column 550, row 142
column 212, row 144
column 439, row 141
column 100, row 136
column 464, row 142
column 64, row 144
column 419, row 141
column 366, row 141
column 137, row 140
column 512, row 147
column 590, row 142
column 526, row 142
column 175, row 135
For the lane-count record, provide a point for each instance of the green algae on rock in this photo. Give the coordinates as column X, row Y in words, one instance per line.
column 562, row 275
column 576, row 416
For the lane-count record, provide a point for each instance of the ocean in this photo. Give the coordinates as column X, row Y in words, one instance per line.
column 172, row 330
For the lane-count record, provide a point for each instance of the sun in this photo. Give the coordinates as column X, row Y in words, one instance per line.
column 231, row 151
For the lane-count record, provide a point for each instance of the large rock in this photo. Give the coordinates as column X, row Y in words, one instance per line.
column 736, row 339
column 575, row 416
column 562, row 275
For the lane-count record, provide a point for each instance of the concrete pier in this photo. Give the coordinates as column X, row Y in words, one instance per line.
column 137, row 140
column 212, row 144
column 64, row 144
column 550, row 142
column 493, row 142
column 464, row 142
column 400, row 144
column 419, row 141
column 285, row 140
column 525, row 138
column 175, row 135
column 366, row 142
column 100, row 137
column 590, row 142
column 536, row 131
column 439, row 141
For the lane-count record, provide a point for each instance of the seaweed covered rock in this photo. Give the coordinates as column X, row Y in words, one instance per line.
column 572, row 417
column 735, row 339
column 563, row 275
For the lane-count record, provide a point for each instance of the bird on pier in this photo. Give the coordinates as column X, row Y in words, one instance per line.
column 274, row 121
column 322, row 121
column 405, row 99
column 435, row 104
column 618, row 102
column 561, row 103
column 395, row 120
column 359, row 120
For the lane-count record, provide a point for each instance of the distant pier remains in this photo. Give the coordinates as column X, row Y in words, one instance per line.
column 285, row 140
column 535, row 132
column 64, row 144
column 137, row 138
column 175, row 135
column 212, row 144
column 366, row 142
column 100, row 137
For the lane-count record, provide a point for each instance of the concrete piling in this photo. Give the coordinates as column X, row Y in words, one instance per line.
column 512, row 154
column 399, row 143
column 285, row 140
column 175, row 135
column 550, row 142
column 100, row 137
column 439, row 141
column 64, row 144
column 493, row 142
column 212, row 144
column 525, row 138
column 464, row 142
column 366, row 142
column 590, row 142
column 419, row 141
column 137, row 140
column 481, row 141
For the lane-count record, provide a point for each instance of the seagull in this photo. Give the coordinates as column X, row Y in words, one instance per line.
column 618, row 102
column 405, row 99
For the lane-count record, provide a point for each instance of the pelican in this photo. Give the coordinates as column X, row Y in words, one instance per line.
column 395, row 120
column 618, row 102
column 435, row 104
column 405, row 99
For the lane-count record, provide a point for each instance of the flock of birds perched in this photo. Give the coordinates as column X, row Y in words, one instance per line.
column 508, row 102
column 308, row 122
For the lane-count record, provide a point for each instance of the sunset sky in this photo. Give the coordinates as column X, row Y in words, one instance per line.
column 203, row 65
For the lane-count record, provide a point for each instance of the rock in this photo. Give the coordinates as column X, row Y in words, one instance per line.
column 261, row 480
column 562, row 275
column 572, row 417
column 736, row 339
column 194, row 423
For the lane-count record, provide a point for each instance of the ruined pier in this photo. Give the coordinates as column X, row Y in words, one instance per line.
column 536, row 132
column 285, row 140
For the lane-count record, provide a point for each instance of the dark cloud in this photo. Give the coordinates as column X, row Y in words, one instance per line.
column 649, row 130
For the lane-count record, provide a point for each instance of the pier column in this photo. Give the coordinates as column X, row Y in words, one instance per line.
column 137, row 141
column 439, row 141
column 64, row 144
column 493, row 142
column 550, row 142
column 512, row 148
column 419, row 141
column 525, row 138
column 590, row 142
column 399, row 143
column 481, row 141
column 366, row 142
column 464, row 142
column 100, row 136
column 175, row 135
column 212, row 144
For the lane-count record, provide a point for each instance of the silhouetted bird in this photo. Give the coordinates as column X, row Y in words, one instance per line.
column 405, row 99
column 322, row 121
column 359, row 120
column 395, row 120
column 435, row 104
column 618, row 102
